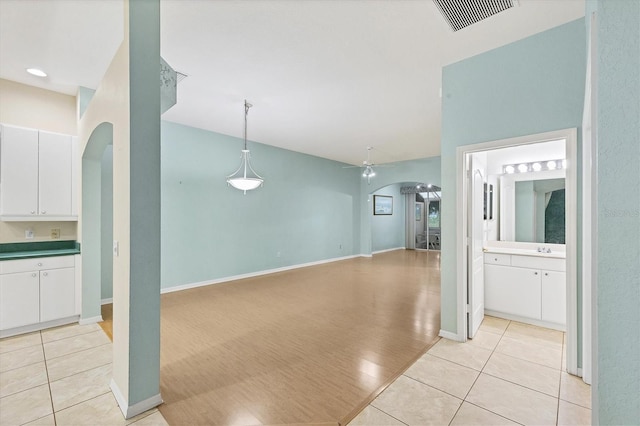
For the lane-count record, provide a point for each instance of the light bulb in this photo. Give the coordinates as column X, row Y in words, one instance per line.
column 551, row 165
column 522, row 168
column 536, row 167
column 564, row 164
column 509, row 169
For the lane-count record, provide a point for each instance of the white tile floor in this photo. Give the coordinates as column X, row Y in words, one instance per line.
column 511, row 373
column 61, row 377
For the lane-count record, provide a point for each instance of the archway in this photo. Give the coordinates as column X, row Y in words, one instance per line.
column 91, row 221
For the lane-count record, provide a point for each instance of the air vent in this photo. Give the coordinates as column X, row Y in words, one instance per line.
column 462, row 13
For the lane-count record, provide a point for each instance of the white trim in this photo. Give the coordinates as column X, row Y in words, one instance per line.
column 91, row 320
column 38, row 326
column 365, row 255
column 106, row 301
column 589, row 205
column 255, row 274
column 386, row 250
column 451, row 336
column 129, row 411
column 570, row 136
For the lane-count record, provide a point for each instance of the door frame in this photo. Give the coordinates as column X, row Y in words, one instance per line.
column 570, row 136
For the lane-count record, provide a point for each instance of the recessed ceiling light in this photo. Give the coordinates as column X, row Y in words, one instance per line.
column 37, row 72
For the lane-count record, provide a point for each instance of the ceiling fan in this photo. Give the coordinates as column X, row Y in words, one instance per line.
column 368, row 166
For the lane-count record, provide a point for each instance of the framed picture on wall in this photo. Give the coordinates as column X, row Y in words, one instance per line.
column 382, row 205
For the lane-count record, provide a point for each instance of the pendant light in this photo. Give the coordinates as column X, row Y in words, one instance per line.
column 245, row 178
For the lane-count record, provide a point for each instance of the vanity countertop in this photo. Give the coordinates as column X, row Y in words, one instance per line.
column 12, row 251
column 525, row 252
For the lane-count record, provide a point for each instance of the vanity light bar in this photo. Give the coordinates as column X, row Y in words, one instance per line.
column 534, row 166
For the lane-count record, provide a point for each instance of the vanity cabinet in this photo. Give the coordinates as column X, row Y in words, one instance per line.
column 36, row 291
column 36, row 175
column 526, row 287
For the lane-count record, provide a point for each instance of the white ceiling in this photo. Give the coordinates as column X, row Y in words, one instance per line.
column 326, row 78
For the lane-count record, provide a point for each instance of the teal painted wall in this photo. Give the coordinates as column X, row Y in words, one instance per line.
column 306, row 211
column 424, row 170
column 106, row 223
column 617, row 378
column 388, row 232
column 531, row 86
column 144, row 212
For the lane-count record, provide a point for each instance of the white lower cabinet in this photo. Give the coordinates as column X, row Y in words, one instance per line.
column 57, row 294
column 554, row 297
column 34, row 291
column 516, row 287
column 19, row 299
column 513, row 291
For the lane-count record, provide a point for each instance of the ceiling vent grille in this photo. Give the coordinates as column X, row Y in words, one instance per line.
column 462, row 13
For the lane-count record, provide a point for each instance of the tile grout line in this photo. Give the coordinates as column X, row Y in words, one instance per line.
column 382, row 411
column 479, row 374
column 46, row 368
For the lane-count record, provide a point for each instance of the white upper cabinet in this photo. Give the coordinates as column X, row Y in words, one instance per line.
column 19, row 171
column 36, row 175
column 54, row 178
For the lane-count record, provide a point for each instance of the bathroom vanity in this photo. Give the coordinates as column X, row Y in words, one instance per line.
column 526, row 285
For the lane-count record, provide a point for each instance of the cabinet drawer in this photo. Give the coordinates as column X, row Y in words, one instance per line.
column 36, row 264
column 497, row 259
column 538, row 262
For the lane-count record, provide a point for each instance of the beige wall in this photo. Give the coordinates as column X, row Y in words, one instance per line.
column 27, row 106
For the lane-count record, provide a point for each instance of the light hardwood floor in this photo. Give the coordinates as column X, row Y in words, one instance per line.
column 307, row 346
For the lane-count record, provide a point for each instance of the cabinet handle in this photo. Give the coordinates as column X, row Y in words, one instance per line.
column 535, row 273
column 33, row 275
column 33, row 212
column 40, row 264
column 546, row 274
column 43, row 212
column 496, row 259
column 44, row 274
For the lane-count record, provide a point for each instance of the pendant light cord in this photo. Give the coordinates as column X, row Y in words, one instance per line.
column 247, row 105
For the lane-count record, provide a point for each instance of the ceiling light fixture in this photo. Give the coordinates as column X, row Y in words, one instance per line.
column 536, row 166
column 245, row 178
column 37, row 72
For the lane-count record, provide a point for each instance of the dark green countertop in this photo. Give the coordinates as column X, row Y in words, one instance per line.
column 11, row 251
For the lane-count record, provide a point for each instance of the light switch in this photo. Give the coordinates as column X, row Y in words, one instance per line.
column 28, row 234
column 116, row 248
column 55, row 233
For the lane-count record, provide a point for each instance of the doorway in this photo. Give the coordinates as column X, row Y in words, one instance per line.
column 474, row 226
column 423, row 216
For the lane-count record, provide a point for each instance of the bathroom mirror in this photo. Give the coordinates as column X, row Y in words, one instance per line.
column 533, row 207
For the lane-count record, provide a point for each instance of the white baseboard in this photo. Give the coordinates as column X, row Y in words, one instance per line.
column 252, row 274
column 450, row 336
column 129, row 411
column 38, row 326
column 106, row 301
column 386, row 250
column 366, row 255
column 91, row 320
column 539, row 323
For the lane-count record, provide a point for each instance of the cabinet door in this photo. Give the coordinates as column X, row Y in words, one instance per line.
column 19, row 171
column 55, row 171
column 554, row 297
column 513, row 291
column 57, row 294
column 19, row 300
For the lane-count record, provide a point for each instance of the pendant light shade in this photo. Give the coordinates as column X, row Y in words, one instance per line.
column 245, row 178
